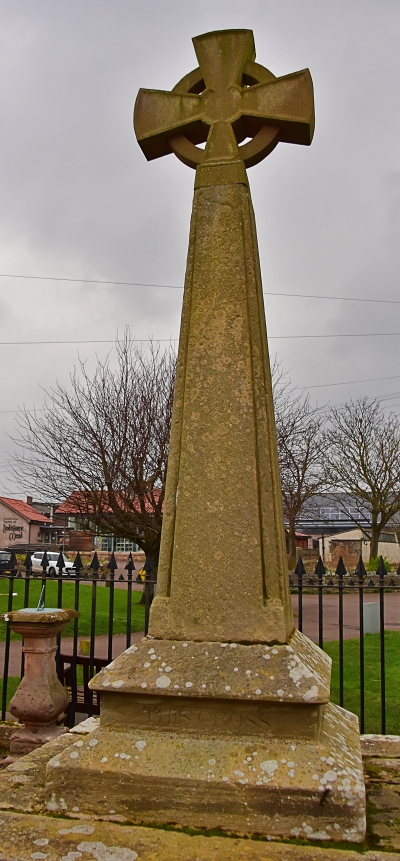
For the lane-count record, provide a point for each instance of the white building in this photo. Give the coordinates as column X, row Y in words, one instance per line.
column 356, row 543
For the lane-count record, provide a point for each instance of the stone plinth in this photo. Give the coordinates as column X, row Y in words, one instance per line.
column 201, row 734
column 244, row 784
column 40, row 697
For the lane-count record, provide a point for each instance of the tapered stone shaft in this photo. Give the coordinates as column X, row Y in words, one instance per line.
column 223, row 571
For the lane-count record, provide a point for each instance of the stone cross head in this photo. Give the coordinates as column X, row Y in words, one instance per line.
column 228, row 99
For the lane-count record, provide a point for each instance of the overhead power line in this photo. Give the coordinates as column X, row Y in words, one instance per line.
column 338, row 298
column 387, row 396
column 350, row 382
column 172, row 340
column 180, row 287
column 91, row 281
column 99, row 341
column 353, row 335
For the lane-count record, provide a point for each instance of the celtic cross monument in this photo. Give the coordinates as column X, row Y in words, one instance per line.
column 221, row 717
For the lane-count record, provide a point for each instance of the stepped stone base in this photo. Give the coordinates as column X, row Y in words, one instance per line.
column 242, row 784
column 296, row 672
column 236, row 737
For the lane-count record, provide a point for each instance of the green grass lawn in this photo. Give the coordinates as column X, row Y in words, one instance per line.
column 85, row 605
column 372, row 679
column 351, row 647
column 351, row 677
column 12, row 685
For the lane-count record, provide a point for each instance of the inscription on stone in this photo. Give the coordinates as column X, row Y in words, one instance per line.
column 211, row 716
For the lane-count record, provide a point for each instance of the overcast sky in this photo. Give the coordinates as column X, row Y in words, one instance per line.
column 79, row 200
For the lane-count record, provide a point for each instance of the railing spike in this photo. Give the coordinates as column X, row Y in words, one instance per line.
column 360, row 570
column 13, row 561
column 381, row 569
column 130, row 566
column 319, row 569
column 112, row 565
column 300, row 570
column 28, row 561
column 60, row 563
column 78, row 563
column 45, row 562
column 95, row 564
column 148, row 565
column 341, row 569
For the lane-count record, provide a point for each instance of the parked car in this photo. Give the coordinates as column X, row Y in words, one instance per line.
column 51, row 569
column 5, row 561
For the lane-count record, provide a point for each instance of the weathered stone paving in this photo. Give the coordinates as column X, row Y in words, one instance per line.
column 40, row 838
column 61, row 835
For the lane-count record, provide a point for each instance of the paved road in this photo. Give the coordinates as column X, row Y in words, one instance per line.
column 351, row 627
column 101, row 648
column 310, row 625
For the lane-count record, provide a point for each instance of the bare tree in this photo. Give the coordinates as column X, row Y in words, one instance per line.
column 363, row 460
column 105, row 439
column 299, row 428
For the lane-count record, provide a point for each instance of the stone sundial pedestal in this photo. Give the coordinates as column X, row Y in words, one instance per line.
column 221, row 717
column 40, row 697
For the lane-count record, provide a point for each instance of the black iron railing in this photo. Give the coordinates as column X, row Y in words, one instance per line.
column 344, row 584
column 321, row 601
column 92, row 575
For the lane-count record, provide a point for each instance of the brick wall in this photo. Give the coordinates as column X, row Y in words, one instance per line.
column 349, row 550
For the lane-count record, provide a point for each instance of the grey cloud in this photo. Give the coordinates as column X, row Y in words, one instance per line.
column 78, row 198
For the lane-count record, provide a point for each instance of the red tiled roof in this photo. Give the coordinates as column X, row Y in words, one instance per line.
column 25, row 510
column 75, row 503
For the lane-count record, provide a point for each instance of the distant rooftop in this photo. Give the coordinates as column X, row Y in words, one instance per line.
column 24, row 509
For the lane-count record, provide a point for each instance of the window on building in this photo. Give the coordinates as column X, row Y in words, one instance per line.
column 109, row 543
column 330, row 514
column 125, row 546
column 388, row 537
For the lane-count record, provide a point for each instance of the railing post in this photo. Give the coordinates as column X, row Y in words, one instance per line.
column 74, row 686
column 44, row 565
column 28, row 574
column 94, row 566
column 7, row 648
column 381, row 574
column 130, row 568
column 300, row 572
column 59, row 566
column 320, row 574
column 112, row 566
column 341, row 573
column 147, row 568
column 361, row 573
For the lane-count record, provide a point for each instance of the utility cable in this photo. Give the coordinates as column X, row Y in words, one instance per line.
column 171, row 340
column 180, row 287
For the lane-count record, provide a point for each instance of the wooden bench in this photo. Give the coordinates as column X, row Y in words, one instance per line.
column 82, row 703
